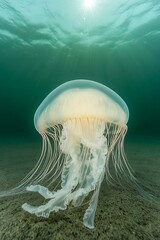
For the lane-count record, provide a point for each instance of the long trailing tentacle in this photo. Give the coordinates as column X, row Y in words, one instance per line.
column 118, row 169
column 49, row 166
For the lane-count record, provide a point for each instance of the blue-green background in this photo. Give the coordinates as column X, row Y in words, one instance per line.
column 46, row 43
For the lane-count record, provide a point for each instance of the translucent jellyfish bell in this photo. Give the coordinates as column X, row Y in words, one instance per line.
column 83, row 124
column 80, row 99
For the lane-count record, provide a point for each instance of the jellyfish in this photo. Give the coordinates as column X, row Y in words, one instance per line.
column 83, row 125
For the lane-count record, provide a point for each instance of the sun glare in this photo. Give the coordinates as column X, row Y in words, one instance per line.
column 89, row 4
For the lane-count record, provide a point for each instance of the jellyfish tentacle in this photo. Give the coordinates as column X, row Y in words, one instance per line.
column 89, row 215
column 59, row 202
column 82, row 170
column 62, row 197
column 41, row 190
column 96, row 178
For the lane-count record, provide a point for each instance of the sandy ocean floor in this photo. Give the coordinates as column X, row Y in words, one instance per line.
column 120, row 214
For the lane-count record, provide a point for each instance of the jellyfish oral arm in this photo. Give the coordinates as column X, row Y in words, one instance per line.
column 43, row 191
column 82, row 173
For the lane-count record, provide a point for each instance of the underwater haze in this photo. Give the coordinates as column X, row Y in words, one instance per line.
column 45, row 43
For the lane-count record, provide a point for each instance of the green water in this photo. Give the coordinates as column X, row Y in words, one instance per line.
column 45, row 43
